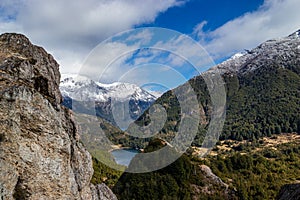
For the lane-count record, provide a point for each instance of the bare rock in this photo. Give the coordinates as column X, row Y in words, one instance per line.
column 212, row 177
column 40, row 155
column 213, row 186
column 103, row 192
column 25, row 64
column 289, row 192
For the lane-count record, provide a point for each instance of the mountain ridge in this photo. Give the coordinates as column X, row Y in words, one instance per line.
column 266, row 75
column 113, row 90
column 263, row 98
column 271, row 49
column 77, row 89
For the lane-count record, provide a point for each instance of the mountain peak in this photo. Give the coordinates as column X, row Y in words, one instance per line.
column 295, row 34
column 15, row 39
column 283, row 50
column 77, row 88
column 24, row 62
column 74, row 86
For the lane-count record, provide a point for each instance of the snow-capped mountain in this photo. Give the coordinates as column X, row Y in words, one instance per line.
column 75, row 88
column 84, row 89
column 284, row 50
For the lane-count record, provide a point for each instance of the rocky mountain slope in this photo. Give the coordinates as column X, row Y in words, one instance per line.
column 263, row 98
column 106, row 97
column 262, row 93
column 282, row 51
column 40, row 153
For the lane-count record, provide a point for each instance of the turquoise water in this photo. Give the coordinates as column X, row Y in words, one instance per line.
column 124, row 156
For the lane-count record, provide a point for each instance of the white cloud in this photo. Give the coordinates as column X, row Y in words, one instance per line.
column 118, row 56
column 275, row 18
column 8, row 26
column 198, row 30
column 70, row 29
column 188, row 49
column 66, row 27
column 144, row 37
column 107, row 61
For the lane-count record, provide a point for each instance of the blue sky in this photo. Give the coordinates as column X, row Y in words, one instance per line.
column 82, row 33
column 216, row 12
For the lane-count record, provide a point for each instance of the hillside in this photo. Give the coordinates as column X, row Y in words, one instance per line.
column 183, row 179
column 263, row 94
column 259, row 149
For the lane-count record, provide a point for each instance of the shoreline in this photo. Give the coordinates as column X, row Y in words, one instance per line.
column 120, row 147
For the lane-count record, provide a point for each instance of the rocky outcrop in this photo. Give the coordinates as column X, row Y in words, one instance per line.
column 102, row 192
column 213, row 185
column 40, row 153
column 212, row 177
column 289, row 192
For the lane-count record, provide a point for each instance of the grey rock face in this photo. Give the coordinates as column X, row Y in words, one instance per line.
column 40, row 155
column 289, row 192
column 212, row 177
column 103, row 192
column 213, row 184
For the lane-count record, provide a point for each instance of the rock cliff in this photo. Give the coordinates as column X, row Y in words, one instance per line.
column 40, row 153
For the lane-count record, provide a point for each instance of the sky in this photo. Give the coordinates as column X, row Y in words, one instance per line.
column 111, row 38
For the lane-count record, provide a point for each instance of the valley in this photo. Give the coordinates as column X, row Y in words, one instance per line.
column 44, row 143
column 149, row 100
column 258, row 151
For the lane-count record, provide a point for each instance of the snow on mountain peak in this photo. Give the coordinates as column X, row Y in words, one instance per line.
column 157, row 94
column 295, row 34
column 237, row 55
column 82, row 88
column 279, row 48
column 121, row 91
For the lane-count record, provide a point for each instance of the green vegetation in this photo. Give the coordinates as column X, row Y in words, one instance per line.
column 258, row 105
column 261, row 103
column 105, row 174
column 258, row 174
column 169, row 183
column 95, row 133
column 176, row 181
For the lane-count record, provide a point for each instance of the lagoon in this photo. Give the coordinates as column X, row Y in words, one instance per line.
column 124, row 156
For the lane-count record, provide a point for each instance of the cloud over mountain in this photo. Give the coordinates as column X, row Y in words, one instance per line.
column 71, row 29
column 275, row 18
